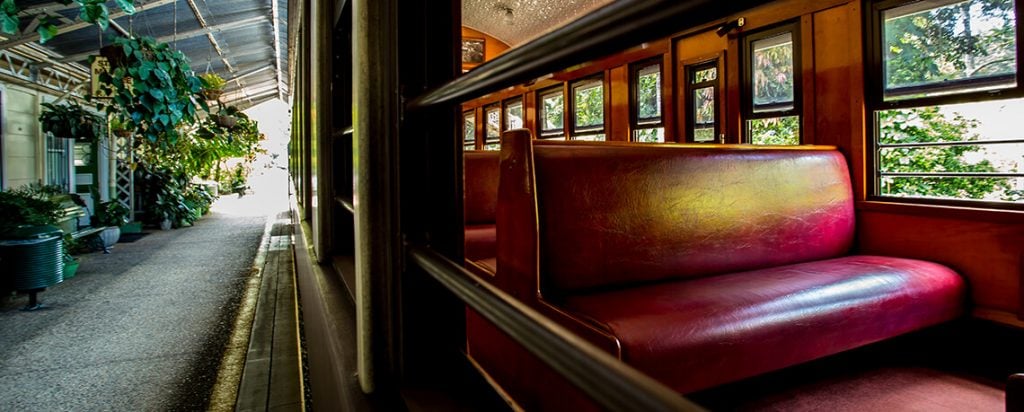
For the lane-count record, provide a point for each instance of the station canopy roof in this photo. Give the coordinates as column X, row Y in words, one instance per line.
column 244, row 41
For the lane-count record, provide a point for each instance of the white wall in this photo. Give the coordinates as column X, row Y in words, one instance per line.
column 23, row 159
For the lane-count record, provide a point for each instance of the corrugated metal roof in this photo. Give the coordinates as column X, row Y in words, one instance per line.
column 237, row 39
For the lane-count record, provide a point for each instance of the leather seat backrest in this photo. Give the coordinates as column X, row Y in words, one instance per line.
column 481, row 186
column 611, row 215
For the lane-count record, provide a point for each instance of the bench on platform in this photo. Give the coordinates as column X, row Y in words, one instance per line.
column 71, row 224
column 698, row 265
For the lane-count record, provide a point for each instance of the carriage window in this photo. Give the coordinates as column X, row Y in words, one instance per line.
column 588, row 109
column 468, row 131
column 552, row 114
column 933, row 48
column 513, row 114
column 772, row 86
column 702, row 87
column 493, row 114
column 942, row 129
column 646, row 86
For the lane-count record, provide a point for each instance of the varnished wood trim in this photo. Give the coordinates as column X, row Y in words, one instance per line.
column 998, row 316
column 587, row 323
column 494, row 384
column 940, row 211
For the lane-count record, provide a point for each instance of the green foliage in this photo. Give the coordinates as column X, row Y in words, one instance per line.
column 773, row 73
column 946, row 43
column 775, row 130
column 554, row 112
column 589, row 106
column 71, row 120
column 956, row 41
column 212, row 81
column 649, row 96
column 29, row 205
column 925, row 125
column 111, row 213
column 162, row 92
column 91, row 11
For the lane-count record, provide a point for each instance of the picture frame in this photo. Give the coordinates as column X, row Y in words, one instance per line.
column 473, row 50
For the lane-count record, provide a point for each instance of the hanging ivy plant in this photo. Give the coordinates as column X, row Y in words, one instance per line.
column 92, row 11
column 71, row 121
column 154, row 88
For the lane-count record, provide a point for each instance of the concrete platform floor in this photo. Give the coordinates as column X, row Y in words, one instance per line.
column 142, row 328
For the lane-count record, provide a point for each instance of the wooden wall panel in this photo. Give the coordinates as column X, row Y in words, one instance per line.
column 492, row 46
column 986, row 252
column 838, row 108
column 617, row 116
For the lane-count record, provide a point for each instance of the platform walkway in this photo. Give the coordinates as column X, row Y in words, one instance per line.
column 146, row 327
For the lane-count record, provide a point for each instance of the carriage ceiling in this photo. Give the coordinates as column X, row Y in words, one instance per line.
column 517, row 21
column 244, row 41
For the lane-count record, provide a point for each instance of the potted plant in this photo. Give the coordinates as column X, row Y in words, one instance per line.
column 71, row 121
column 213, row 85
column 163, row 92
column 121, row 127
column 111, row 214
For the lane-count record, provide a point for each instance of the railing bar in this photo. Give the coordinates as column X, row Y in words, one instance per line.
column 950, row 174
column 613, row 384
column 617, row 26
column 960, row 143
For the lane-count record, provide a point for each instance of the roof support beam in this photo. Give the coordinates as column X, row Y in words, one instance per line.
column 213, row 40
column 210, row 29
column 78, row 25
column 183, row 35
column 274, row 16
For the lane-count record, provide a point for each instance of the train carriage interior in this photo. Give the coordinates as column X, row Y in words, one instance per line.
column 659, row 205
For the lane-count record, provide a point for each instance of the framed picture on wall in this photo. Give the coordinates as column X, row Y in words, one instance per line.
column 472, row 50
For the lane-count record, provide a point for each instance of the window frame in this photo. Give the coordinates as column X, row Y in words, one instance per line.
column 634, row 96
column 747, row 81
column 476, row 140
column 689, row 72
column 488, row 140
column 874, row 102
column 552, row 134
column 573, row 132
column 504, row 110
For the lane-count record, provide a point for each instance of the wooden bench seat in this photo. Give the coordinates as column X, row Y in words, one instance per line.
column 697, row 265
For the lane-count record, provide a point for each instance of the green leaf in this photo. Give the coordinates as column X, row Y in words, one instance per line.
column 157, row 94
column 9, row 20
column 46, row 32
column 127, row 6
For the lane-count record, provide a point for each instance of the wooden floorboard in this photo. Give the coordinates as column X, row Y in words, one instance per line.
column 272, row 378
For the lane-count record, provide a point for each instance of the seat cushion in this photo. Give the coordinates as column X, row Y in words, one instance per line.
column 481, row 242
column 698, row 333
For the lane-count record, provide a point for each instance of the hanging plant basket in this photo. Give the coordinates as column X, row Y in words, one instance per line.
column 212, row 94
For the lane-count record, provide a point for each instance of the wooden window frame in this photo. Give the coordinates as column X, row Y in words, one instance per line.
column 747, row 94
column 689, row 71
column 504, row 109
column 558, row 133
column 600, row 78
column 487, row 140
column 874, row 101
column 476, row 140
column 634, row 95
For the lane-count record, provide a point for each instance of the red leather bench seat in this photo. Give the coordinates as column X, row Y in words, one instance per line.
column 698, row 333
column 481, row 199
column 699, row 265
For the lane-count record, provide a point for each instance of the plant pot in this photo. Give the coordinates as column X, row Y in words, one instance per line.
column 70, row 268
column 225, row 121
column 212, row 94
column 110, row 236
column 165, row 224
